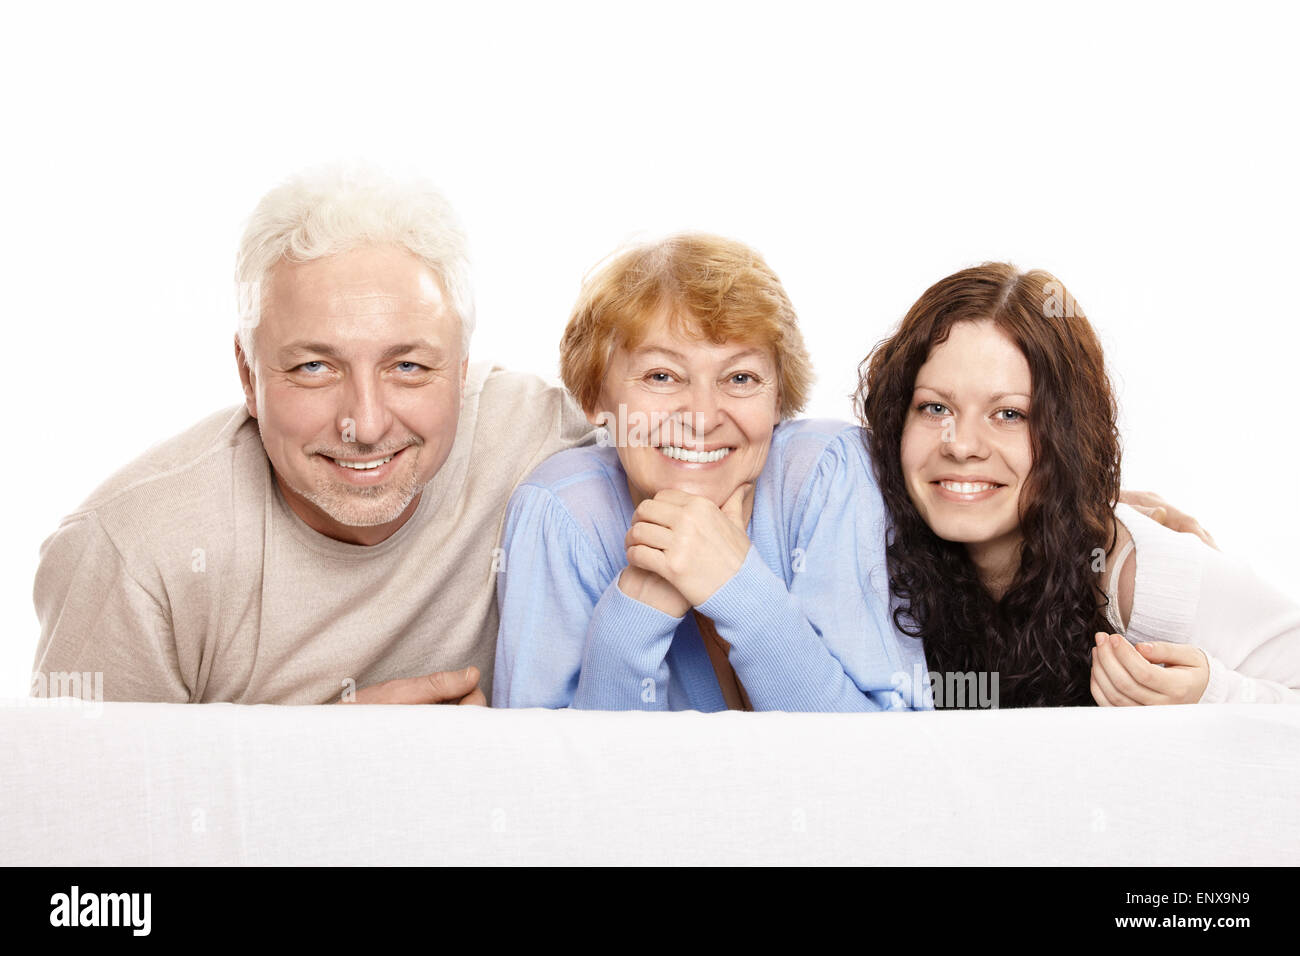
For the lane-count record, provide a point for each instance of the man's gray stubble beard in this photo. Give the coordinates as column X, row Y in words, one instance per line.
column 336, row 502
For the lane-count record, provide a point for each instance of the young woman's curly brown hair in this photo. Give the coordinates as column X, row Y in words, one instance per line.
column 1038, row 636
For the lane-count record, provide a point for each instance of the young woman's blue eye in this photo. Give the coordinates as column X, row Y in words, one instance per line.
column 933, row 408
column 1015, row 415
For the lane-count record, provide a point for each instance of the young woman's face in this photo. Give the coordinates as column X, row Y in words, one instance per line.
column 965, row 448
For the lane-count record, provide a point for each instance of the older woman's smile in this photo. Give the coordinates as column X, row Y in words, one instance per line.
column 692, row 456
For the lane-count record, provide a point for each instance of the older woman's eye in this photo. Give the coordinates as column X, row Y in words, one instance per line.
column 743, row 378
column 660, row 378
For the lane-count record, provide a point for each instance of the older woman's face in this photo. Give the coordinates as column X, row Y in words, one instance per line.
column 965, row 449
column 688, row 414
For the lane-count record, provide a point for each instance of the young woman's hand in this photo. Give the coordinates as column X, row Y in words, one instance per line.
column 1124, row 675
column 689, row 541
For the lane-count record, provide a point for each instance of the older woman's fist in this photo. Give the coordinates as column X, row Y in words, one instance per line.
column 690, row 542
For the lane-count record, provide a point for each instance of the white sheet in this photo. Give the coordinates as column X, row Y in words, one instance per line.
column 153, row 784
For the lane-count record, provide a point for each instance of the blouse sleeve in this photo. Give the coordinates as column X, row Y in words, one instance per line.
column 569, row 637
column 825, row 641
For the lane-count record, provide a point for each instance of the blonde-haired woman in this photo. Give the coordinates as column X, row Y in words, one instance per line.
column 711, row 554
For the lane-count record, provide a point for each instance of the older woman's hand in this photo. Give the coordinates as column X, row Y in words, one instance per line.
column 650, row 589
column 690, row 542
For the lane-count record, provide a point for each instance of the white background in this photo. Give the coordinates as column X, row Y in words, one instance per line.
column 1145, row 154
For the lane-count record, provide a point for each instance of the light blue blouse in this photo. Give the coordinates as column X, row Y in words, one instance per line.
column 807, row 615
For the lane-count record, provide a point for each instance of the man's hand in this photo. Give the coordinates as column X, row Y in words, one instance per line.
column 1162, row 512
column 1128, row 676
column 689, row 541
column 441, row 687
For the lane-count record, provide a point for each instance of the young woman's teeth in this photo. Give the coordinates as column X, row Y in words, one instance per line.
column 967, row 487
column 696, row 457
column 363, row 465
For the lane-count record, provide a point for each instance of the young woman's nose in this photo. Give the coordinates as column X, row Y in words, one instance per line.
column 962, row 439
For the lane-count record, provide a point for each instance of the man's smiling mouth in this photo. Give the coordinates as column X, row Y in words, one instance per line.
column 362, row 465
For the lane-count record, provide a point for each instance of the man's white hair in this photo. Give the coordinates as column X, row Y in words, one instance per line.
column 328, row 210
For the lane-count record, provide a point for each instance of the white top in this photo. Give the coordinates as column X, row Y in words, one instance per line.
column 1188, row 593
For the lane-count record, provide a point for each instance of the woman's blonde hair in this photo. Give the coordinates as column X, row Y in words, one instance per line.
column 710, row 287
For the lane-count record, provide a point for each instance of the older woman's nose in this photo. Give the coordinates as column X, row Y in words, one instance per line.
column 705, row 411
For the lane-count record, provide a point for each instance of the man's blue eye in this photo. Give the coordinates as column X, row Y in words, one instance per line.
column 407, row 366
column 307, row 366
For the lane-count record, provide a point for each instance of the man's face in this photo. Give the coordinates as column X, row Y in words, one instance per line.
column 356, row 387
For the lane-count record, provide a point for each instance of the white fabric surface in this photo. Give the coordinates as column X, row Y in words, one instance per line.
column 152, row 784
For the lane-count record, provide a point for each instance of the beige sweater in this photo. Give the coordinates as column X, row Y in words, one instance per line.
column 186, row 576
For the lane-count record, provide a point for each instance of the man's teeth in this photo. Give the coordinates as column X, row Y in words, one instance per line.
column 968, row 487
column 697, row 457
column 363, row 465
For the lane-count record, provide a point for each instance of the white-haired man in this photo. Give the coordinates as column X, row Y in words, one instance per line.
column 333, row 538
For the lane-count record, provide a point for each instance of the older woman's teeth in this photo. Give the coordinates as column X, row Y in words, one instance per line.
column 363, row 465
column 696, row 457
column 967, row 487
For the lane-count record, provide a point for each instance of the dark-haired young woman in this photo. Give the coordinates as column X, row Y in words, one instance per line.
column 992, row 426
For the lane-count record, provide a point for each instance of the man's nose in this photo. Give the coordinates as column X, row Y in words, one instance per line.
column 363, row 416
